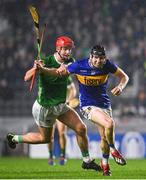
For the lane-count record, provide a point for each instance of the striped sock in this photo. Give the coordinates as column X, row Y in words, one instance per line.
column 105, row 158
column 18, row 139
column 50, row 153
column 62, row 153
column 86, row 157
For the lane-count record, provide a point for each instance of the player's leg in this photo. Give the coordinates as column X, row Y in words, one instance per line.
column 105, row 152
column 104, row 120
column 62, row 130
column 73, row 121
column 45, row 128
column 99, row 117
column 44, row 136
column 51, row 149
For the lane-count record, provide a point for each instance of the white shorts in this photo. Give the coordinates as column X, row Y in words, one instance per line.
column 87, row 111
column 46, row 117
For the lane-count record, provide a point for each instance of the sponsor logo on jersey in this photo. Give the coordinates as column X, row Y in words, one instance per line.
column 92, row 80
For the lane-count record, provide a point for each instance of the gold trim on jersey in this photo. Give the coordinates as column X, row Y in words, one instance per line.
column 92, row 80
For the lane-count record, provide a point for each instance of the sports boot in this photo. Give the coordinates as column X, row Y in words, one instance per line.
column 106, row 169
column 11, row 143
column 118, row 158
column 62, row 161
column 51, row 161
column 91, row 165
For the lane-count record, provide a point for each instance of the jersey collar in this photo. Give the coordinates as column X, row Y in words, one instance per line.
column 56, row 59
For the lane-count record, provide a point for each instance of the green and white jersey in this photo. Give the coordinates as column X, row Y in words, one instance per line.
column 52, row 90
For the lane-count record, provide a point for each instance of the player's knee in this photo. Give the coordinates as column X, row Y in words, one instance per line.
column 109, row 124
column 81, row 129
column 46, row 139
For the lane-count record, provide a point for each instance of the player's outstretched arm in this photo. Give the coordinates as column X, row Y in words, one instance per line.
column 51, row 71
column 122, row 84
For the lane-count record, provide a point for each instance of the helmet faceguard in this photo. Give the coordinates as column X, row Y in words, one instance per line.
column 98, row 50
column 64, row 41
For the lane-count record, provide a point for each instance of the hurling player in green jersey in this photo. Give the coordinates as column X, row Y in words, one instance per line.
column 50, row 105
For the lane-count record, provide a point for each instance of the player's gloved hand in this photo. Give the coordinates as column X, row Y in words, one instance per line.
column 117, row 90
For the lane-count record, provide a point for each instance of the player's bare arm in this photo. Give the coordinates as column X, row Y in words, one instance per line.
column 61, row 71
column 29, row 74
column 116, row 91
column 45, row 70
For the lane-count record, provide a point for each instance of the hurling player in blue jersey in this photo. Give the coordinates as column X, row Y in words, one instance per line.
column 93, row 74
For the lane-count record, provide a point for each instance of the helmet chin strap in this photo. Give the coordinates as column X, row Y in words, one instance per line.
column 58, row 52
column 60, row 55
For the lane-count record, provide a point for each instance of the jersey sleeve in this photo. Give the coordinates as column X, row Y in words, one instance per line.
column 112, row 67
column 74, row 68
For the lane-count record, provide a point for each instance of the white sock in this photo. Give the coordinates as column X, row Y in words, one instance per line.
column 86, row 159
column 15, row 138
column 104, row 160
column 112, row 149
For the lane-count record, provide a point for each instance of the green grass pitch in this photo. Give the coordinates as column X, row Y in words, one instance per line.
column 26, row 168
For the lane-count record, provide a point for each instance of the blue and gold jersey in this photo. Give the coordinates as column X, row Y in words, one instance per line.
column 93, row 82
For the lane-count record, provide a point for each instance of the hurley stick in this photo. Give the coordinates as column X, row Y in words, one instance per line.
column 35, row 16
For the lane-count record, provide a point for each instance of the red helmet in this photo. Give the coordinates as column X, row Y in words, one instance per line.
column 63, row 41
